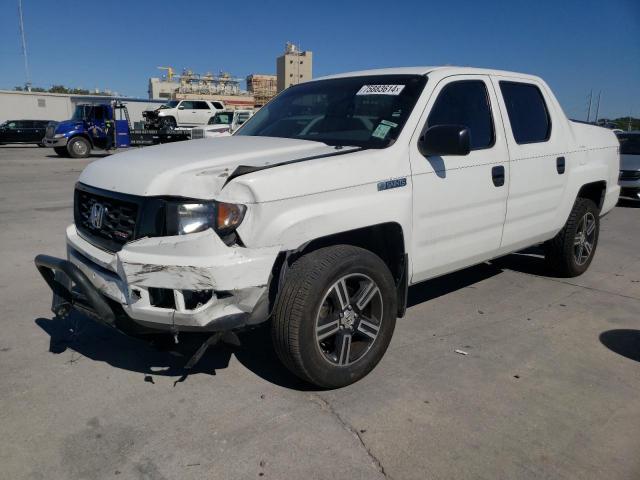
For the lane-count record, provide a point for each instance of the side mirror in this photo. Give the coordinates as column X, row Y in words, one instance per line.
column 181, row 107
column 445, row 140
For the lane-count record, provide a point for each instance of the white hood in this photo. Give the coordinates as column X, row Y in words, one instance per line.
column 194, row 168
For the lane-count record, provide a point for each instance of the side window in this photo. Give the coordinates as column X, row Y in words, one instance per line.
column 466, row 103
column 218, row 106
column 527, row 112
column 187, row 105
column 98, row 112
column 201, row 106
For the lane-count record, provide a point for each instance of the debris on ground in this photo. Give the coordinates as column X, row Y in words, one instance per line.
column 461, row 352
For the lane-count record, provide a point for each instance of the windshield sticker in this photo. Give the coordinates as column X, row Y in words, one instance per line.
column 381, row 131
column 380, row 90
column 387, row 122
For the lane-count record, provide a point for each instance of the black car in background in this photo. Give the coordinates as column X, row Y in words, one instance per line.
column 23, row 131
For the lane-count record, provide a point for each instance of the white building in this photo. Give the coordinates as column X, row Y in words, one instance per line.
column 60, row 106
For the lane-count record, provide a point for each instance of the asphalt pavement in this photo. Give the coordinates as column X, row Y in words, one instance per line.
column 549, row 386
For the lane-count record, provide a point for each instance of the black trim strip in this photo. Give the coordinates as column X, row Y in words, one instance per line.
column 245, row 169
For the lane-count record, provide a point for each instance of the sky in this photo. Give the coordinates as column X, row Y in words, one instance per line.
column 576, row 46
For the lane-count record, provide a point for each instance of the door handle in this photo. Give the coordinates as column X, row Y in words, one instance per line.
column 560, row 165
column 497, row 174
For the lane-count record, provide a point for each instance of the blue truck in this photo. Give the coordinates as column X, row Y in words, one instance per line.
column 104, row 126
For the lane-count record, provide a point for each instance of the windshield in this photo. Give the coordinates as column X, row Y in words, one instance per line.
column 629, row 143
column 367, row 111
column 83, row 112
column 221, row 118
column 171, row 104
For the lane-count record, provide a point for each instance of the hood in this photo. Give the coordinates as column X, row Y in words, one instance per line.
column 194, row 168
column 68, row 126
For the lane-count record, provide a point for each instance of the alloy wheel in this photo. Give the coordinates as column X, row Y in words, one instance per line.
column 349, row 319
column 584, row 239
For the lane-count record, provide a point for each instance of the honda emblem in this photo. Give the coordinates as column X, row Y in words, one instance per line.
column 97, row 215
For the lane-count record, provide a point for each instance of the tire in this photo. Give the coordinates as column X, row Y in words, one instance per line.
column 325, row 341
column 61, row 151
column 79, row 147
column 571, row 251
column 168, row 122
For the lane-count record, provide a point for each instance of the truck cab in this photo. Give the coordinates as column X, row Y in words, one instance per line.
column 102, row 126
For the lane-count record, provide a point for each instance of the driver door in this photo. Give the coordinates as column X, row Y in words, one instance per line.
column 459, row 202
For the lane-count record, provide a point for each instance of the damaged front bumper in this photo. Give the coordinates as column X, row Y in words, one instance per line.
column 181, row 283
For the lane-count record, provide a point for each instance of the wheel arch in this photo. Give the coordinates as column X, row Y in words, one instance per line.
column 386, row 240
column 594, row 191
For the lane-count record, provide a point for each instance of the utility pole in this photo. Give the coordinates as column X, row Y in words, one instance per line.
column 598, row 106
column 24, row 48
column 589, row 110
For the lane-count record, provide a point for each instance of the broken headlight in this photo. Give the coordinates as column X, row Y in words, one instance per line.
column 224, row 218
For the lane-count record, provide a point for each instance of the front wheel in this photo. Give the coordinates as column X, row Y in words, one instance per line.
column 61, row 151
column 168, row 123
column 335, row 315
column 79, row 147
column 571, row 251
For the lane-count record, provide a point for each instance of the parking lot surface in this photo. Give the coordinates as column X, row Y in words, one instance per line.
column 549, row 387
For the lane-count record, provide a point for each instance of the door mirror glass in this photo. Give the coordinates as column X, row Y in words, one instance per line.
column 445, row 140
column 181, row 107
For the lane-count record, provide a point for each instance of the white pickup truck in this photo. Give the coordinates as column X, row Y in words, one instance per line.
column 323, row 208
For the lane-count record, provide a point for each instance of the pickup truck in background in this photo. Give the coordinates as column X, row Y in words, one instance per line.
column 222, row 124
column 629, row 164
column 323, row 208
column 182, row 113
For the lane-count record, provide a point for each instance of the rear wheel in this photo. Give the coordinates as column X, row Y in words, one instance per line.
column 571, row 251
column 335, row 315
column 79, row 147
column 61, row 151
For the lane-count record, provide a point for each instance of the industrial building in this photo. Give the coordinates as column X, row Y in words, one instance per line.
column 262, row 87
column 60, row 106
column 191, row 85
column 293, row 67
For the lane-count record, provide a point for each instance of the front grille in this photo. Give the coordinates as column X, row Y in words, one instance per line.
column 627, row 175
column 50, row 131
column 117, row 222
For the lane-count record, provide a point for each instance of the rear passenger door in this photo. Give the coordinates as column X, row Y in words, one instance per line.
column 203, row 112
column 459, row 202
column 39, row 130
column 539, row 161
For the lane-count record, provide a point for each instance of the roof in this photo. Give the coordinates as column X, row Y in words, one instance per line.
column 444, row 70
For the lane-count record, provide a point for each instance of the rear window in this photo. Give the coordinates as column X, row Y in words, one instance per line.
column 629, row 143
column 528, row 114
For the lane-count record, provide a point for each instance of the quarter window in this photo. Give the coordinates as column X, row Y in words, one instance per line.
column 465, row 103
column 528, row 114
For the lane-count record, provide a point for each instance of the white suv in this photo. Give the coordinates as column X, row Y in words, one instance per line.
column 325, row 206
column 186, row 113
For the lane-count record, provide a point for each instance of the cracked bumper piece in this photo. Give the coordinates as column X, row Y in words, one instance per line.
column 189, row 282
